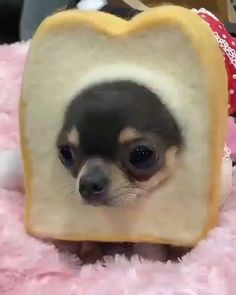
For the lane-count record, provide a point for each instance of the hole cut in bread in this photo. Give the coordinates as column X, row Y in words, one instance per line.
column 171, row 51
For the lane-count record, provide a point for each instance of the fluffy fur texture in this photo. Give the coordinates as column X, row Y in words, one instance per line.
column 29, row 266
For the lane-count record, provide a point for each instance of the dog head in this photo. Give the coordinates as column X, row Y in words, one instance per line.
column 119, row 142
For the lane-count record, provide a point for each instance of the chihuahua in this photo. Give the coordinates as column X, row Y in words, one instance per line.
column 120, row 143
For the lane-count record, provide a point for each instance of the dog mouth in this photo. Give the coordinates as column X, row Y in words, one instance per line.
column 98, row 203
column 116, row 200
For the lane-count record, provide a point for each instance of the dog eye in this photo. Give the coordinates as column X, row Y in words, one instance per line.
column 66, row 155
column 142, row 161
column 143, row 157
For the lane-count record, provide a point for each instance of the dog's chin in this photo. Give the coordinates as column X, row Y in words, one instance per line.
column 98, row 203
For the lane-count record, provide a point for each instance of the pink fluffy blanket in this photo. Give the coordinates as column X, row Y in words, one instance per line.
column 30, row 266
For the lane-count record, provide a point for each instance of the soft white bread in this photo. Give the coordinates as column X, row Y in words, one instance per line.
column 171, row 51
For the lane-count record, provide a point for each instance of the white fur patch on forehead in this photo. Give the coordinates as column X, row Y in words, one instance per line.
column 73, row 136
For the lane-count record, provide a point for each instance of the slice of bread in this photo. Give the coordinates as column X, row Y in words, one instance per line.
column 170, row 50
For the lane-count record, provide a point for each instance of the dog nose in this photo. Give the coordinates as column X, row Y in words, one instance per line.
column 93, row 187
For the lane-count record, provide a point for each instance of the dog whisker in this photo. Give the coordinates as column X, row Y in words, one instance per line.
column 129, row 194
column 127, row 188
column 68, row 185
column 70, row 188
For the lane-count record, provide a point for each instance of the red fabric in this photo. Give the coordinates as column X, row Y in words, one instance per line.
column 228, row 46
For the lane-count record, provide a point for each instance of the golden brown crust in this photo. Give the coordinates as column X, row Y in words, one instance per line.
column 116, row 28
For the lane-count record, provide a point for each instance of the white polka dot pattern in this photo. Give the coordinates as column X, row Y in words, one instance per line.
column 228, row 47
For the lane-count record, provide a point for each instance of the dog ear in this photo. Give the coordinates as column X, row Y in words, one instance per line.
column 171, row 51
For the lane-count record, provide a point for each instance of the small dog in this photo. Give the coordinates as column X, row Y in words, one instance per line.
column 120, row 143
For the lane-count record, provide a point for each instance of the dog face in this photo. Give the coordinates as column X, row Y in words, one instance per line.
column 119, row 142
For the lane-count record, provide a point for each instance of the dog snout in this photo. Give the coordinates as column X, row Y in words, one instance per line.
column 93, row 185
